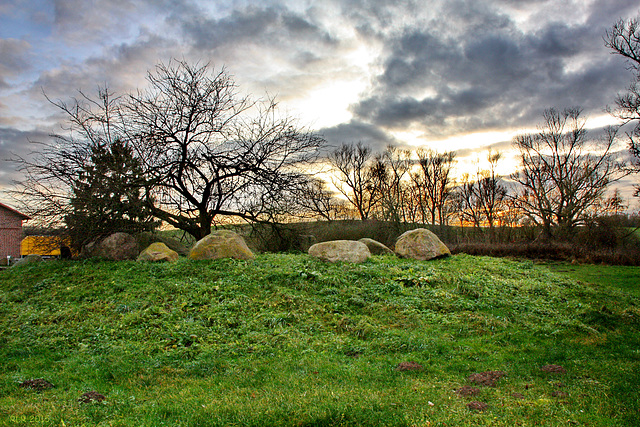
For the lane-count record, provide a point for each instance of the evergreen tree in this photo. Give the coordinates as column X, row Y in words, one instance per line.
column 108, row 195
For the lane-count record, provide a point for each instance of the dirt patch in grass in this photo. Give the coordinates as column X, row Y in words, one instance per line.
column 91, row 397
column 477, row 406
column 38, row 384
column 487, row 378
column 467, row 391
column 553, row 369
column 409, row 366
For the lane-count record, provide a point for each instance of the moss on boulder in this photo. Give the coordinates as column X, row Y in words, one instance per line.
column 221, row 244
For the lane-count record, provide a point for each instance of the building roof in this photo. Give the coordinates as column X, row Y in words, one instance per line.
column 20, row 214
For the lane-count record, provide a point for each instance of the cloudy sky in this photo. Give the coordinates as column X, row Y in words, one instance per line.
column 448, row 74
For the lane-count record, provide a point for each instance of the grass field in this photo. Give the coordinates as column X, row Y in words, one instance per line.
column 288, row 340
column 624, row 278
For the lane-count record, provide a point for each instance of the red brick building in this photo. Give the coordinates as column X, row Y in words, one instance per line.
column 10, row 231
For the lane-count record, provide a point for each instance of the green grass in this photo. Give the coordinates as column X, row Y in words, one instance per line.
column 625, row 278
column 288, row 340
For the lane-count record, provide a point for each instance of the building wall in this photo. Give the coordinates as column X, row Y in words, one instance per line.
column 10, row 233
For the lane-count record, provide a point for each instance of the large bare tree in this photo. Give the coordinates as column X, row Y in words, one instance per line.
column 205, row 152
column 210, row 153
column 563, row 173
column 624, row 39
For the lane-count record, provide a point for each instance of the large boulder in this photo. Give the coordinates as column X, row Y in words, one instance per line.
column 146, row 238
column 420, row 244
column 117, row 247
column 340, row 250
column 221, row 244
column 375, row 247
column 157, row 252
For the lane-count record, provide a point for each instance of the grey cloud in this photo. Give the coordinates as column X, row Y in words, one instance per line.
column 256, row 25
column 81, row 22
column 606, row 12
column 122, row 68
column 402, row 112
column 14, row 59
column 14, row 142
column 372, row 16
column 357, row 131
column 416, row 58
column 558, row 39
column 459, row 17
column 496, row 56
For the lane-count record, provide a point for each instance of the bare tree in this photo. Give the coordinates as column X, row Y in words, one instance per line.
column 615, row 205
column 562, row 173
column 354, row 179
column 205, row 153
column 52, row 167
column 388, row 171
column 319, row 201
column 468, row 203
column 209, row 153
column 624, row 39
column 491, row 191
column 482, row 199
column 434, row 184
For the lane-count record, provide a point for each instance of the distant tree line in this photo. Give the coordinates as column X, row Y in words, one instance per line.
column 561, row 182
column 191, row 152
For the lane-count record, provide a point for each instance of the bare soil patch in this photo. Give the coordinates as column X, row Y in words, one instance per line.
column 553, row 369
column 487, row 378
column 477, row 406
column 467, row 391
column 91, row 397
column 38, row 384
column 409, row 366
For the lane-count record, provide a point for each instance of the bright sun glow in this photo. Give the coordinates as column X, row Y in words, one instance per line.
column 472, row 149
column 327, row 105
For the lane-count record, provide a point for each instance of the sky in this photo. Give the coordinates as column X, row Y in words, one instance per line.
column 464, row 75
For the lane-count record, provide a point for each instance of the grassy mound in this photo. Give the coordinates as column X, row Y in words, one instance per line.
column 288, row 340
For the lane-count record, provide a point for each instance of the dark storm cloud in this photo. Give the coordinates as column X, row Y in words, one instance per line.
column 558, row 40
column 489, row 74
column 395, row 112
